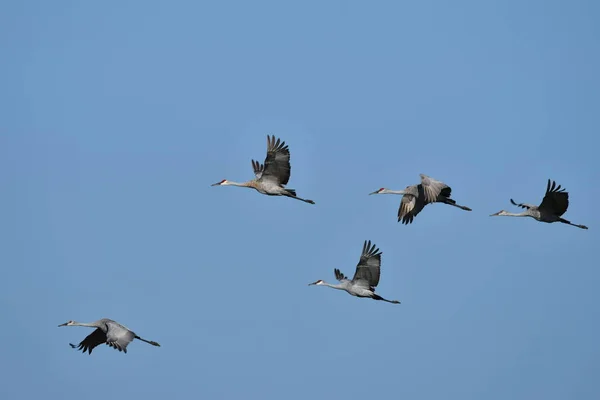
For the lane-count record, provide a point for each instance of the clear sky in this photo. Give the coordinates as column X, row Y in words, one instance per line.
column 118, row 115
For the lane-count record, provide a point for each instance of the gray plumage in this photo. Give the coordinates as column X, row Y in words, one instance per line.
column 416, row 197
column 551, row 209
column 107, row 331
column 366, row 276
column 272, row 176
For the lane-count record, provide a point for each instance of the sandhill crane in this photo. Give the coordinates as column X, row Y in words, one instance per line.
column 273, row 175
column 107, row 331
column 554, row 204
column 365, row 278
column 416, row 197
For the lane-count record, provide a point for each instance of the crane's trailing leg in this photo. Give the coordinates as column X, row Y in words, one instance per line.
column 453, row 203
column 564, row 221
column 292, row 194
column 378, row 297
column 147, row 341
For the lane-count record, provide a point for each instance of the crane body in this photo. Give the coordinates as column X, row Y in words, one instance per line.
column 366, row 276
column 416, row 197
column 107, row 331
column 551, row 209
column 272, row 176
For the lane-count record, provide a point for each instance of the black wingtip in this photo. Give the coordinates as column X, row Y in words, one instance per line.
column 72, row 345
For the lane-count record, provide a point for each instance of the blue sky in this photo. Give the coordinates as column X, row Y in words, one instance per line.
column 117, row 117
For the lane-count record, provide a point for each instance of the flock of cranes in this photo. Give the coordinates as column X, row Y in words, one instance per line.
column 271, row 178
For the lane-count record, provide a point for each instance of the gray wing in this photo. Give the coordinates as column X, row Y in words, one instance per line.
column 91, row 341
column 118, row 336
column 433, row 188
column 523, row 205
column 258, row 169
column 410, row 206
column 277, row 163
column 339, row 275
column 556, row 200
column 367, row 270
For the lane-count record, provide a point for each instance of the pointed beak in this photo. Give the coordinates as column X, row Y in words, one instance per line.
column 314, row 283
column 375, row 192
column 216, row 184
column 65, row 324
column 495, row 214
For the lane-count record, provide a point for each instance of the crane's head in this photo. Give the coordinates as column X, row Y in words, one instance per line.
column 381, row 190
column 223, row 182
column 501, row 212
column 319, row 282
column 68, row 323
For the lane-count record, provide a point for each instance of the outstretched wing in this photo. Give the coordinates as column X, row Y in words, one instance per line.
column 258, row 169
column 556, row 200
column 339, row 275
column 367, row 270
column 277, row 163
column 118, row 336
column 91, row 341
column 522, row 205
column 410, row 206
column 433, row 188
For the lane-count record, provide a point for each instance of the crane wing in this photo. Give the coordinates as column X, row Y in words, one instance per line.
column 258, row 169
column 556, row 200
column 410, row 206
column 277, row 163
column 118, row 336
column 91, row 341
column 339, row 275
column 522, row 205
column 433, row 188
column 368, row 267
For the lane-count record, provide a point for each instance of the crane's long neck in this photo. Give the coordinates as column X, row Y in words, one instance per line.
column 523, row 214
column 334, row 286
column 88, row 324
column 388, row 191
column 240, row 184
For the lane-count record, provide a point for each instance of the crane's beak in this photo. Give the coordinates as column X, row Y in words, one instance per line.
column 65, row 324
column 375, row 192
column 216, row 184
column 495, row 214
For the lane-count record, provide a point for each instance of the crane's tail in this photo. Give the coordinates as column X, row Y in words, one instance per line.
column 292, row 193
column 378, row 297
column 147, row 341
